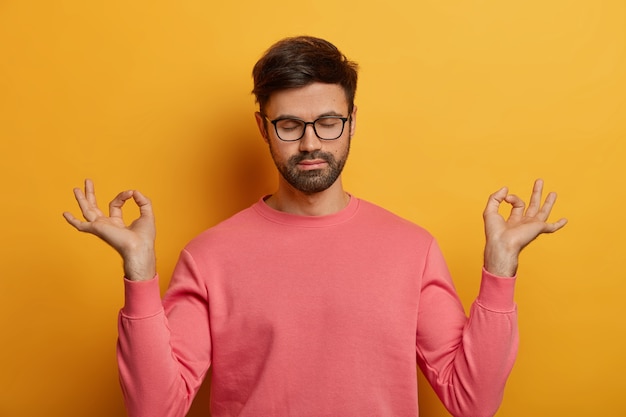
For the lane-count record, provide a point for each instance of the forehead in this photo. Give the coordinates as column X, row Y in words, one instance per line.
column 307, row 102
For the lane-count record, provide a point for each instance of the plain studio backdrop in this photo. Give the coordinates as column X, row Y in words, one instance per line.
column 456, row 99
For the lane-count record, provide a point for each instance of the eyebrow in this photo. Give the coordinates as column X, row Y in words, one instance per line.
column 291, row 116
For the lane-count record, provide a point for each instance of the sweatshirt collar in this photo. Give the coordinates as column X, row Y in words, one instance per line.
column 296, row 220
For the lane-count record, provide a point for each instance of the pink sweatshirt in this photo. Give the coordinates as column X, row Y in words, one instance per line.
column 314, row 316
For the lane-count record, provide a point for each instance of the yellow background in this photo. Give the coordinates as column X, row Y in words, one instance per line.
column 456, row 99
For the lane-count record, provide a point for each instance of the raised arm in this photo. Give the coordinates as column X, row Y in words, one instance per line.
column 505, row 238
column 468, row 361
column 153, row 381
column 135, row 242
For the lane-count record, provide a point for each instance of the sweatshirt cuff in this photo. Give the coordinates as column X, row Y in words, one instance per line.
column 496, row 293
column 142, row 298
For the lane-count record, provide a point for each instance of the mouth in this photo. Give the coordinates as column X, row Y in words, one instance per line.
column 311, row 164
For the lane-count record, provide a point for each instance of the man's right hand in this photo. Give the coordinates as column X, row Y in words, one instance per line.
column 135, row 243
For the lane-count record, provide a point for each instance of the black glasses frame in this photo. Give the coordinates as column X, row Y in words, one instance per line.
column 275, row 121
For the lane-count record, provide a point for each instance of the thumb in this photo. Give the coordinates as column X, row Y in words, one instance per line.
column 144, row 203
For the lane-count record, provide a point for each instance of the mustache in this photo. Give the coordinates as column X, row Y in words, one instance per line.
column 317, row 154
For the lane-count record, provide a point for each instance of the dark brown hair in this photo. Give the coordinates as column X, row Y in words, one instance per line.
column 299, row 61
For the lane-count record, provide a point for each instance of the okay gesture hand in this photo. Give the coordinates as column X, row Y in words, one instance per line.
column 505, row 239
column 134, row 242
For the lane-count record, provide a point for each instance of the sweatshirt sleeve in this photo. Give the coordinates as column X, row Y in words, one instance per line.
column 163, row 347
column 466, row 360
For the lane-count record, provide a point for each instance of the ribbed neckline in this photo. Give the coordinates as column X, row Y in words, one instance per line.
column 296, row 220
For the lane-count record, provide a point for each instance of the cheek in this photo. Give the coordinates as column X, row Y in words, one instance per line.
column 281, row 151
column 342, row 149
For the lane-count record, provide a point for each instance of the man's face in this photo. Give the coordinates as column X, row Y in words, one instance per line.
column 310, row 165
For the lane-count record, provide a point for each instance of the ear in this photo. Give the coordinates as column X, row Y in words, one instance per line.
column 353, row 121
column 260, row 122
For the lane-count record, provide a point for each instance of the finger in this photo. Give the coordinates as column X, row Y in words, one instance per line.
column 90, row 192
column 90, row 211
column 79, row 195
column 517, row 206
column 115, row 206
column 494, row 201
column 546, row 209
column 144, row 203
column 553, row 227
column 535, row 198
column 78, row 224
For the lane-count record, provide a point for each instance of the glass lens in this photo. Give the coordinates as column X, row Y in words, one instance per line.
column 290, row 129
column 329, row 127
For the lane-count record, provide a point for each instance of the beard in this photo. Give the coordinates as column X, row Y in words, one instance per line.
column 312, row 181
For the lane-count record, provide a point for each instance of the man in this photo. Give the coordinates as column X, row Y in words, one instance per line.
column 313, row 302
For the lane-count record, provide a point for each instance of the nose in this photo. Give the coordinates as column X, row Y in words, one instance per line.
column 310, row 142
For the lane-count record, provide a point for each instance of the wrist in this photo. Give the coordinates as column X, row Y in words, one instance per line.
column 499, row 261
column 140, row 265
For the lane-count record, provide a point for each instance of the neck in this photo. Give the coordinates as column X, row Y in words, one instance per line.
column 289, row 200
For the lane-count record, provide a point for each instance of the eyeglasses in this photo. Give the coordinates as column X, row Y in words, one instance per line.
column 325, row 127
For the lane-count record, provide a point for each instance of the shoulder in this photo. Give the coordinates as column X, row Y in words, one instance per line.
column 378, row 214
column 239, row 225
column 379, row 217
